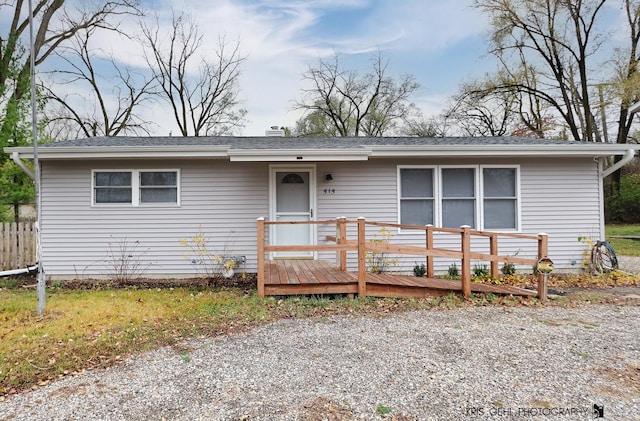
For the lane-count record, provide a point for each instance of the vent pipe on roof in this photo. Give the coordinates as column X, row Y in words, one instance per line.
column 275, row 131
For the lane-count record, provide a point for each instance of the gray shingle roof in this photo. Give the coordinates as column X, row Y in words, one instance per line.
column 275, row 143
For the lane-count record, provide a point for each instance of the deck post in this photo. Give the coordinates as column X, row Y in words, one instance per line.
column 466, row 260
column 261, row 257
column 341, row 237
column 493, row 251
column 429, row 243
column 362, row 280
column 543, row 250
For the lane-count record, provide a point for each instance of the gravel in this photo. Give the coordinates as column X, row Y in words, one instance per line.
column 472, row 363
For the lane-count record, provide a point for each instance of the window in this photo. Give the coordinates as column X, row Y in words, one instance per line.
column 416, row 196
column 158, row 187
column 112, row 187
column 135, row 187
column 458, row 197
column 484, row 197
column 500, row 198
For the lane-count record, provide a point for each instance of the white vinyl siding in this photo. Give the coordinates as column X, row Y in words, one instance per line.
column 221, row 198
column 557, row 196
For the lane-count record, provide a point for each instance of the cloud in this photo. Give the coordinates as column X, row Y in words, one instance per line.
column 281, row 38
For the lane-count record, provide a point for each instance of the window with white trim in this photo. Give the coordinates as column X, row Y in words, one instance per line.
column 458, row 197
column 135, row 187
column 484, row 197
column 417, row 196
column 500, row 198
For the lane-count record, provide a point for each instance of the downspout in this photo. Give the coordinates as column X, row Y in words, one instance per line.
column 624, row 161
column 16, row 158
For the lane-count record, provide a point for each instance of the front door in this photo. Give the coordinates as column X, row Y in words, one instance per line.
column 292, row 196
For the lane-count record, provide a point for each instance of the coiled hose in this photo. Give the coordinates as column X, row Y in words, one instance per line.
column 603, row 257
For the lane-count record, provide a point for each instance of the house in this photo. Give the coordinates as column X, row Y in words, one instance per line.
column 145, row 198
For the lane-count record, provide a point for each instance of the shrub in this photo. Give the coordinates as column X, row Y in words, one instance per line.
column 419, row 270
column 508, row 269
column 453, row 272
column 480, row 270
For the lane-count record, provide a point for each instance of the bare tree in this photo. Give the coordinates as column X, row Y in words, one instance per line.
column 559, row 38
column 202, row 92
column 491, row 106
column 112, row 107
column 355, row 104
column 55, row 24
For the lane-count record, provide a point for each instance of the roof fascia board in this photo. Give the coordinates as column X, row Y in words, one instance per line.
column 122, row 152
column 501, row 150
column 268, row 155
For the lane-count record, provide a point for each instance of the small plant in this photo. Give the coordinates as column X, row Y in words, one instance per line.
column 208, row 262
column 480, row 270
column 123, row 261
column 379, row 262
column 419, row 270
column 508, row 269
column 383, row 410
column 453, row 272
column 186, row 357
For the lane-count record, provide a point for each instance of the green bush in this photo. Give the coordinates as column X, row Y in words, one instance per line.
column 419, row 270
column 453, row 272
column 625, row 208
column 480, row 271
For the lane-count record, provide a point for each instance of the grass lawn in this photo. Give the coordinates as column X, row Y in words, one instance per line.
column 624, row 247
column 91, row 328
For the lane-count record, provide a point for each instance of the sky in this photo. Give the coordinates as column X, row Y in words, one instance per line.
column 440, row 43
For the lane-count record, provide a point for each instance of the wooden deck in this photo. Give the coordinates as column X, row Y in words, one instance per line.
column 293, row 277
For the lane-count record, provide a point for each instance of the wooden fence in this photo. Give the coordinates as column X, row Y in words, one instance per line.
column 17, row 245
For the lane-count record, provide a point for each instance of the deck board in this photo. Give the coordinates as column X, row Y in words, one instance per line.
column 306, row 276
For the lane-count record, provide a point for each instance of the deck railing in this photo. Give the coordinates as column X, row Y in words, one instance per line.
column 343, row 244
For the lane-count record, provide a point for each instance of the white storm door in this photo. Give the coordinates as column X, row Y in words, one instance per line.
column 293, row 200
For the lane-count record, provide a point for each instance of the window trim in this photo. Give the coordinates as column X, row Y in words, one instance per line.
column 436, row 192
column 518, row 200
column 479, row 194
column 135, row 188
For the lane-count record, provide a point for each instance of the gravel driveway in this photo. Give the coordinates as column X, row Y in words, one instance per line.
column 483, row 363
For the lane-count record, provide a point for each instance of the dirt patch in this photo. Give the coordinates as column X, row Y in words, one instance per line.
column 249, row 281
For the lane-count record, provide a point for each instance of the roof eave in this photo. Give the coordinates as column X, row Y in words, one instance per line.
column 590, row 150
column 74, row 152
column 268, row 155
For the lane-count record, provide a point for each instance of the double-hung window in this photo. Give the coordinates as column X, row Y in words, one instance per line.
column 483, row 197
column 500, row 198
column 458, row 197
column 417, row 196
column 135, row 187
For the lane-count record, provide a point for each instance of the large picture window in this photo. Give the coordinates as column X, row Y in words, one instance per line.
column 135, row 187
column 483, row 197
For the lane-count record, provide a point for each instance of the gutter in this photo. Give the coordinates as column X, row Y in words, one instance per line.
column 624, row 161
column 16, row 158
